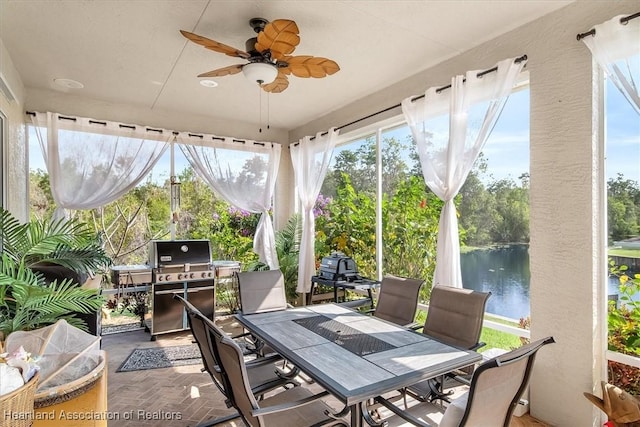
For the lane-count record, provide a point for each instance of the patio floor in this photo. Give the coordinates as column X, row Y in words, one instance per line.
column 149, row 397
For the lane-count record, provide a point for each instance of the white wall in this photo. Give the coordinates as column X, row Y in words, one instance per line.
column 567, row 218
column 14, row 167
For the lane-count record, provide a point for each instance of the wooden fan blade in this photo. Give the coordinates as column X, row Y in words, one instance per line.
column 309, row 66
column 215, row 46
column 280, row 37
column 278, row 85
column 226, row 71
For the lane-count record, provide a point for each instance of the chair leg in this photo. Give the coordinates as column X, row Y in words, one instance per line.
column 437, row 390
column 369, row 419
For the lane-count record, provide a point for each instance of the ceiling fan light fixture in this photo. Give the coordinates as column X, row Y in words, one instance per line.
column 68, row 83
column 209, row 83
column 260, row 72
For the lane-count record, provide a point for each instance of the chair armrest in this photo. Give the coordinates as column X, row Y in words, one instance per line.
column 289, row 405
column 272, row 384
column 242, row 335
column 272, row 358
column 477, row 346
column 414, row 326
column 461, row 380
column 355, row 303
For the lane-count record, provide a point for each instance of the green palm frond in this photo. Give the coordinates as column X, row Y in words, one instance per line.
column 288, row 239
column 26, row 300
column 86, row 259
column 68, row 243
column 25, row 303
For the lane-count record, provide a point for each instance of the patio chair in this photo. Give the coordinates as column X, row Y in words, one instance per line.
column 293, row 407
column 263, row 374
column 398, row 300
column 496, row 388
column 454, row 317
column 260, row 292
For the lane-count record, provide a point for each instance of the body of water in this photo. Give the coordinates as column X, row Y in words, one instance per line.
column 505, row 272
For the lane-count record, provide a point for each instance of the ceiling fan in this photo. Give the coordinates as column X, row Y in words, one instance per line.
column 268, row 55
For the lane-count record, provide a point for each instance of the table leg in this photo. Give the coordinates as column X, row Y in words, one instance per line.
column 356, row 415
column 373, row 304
column 335, row 294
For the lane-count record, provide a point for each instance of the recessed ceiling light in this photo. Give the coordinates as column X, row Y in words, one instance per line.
column 68, row 83
column 208, row 83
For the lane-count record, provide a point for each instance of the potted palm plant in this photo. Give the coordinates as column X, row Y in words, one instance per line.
column 42, row 266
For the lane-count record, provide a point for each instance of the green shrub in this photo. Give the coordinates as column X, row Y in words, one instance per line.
column 624, row 329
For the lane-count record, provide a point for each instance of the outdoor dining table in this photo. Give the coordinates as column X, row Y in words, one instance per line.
column 354, row 356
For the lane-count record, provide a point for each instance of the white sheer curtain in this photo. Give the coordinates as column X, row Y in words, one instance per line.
column 616, row 48
column 310, row 160
column 92, row 163
column 244, row 174
column 449, row 145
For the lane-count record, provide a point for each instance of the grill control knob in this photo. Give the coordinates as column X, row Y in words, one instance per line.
column 192, row 275
column 210, row 274
column 167, row 277
column 159, row 278
column 203, row 274
column 180, row 276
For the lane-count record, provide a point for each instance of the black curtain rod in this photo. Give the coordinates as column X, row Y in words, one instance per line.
column 623, row 21
column 242, row 141
column 440, row 89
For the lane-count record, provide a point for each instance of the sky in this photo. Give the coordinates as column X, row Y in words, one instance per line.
column 507, row 149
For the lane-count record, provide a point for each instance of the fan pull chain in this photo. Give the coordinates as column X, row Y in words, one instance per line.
column 260, row 106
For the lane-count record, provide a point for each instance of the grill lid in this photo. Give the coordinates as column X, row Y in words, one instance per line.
column 167, row 253
column 338, row 266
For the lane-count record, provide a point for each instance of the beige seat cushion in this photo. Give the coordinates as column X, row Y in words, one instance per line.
column 455, row 411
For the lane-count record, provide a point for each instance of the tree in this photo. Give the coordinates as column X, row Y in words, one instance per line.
column 511, row 223
column 623, row 197
column 477, row 212
column 410, row 229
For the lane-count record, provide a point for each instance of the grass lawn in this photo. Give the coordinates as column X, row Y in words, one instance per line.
column 629, row 253
column 498, row 339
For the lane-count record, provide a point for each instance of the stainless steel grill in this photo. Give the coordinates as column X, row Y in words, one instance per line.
column 180, row 267
column 181, row 260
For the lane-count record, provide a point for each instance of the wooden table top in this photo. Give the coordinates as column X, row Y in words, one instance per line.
column 352, row 355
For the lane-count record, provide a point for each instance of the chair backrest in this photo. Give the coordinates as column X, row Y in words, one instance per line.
column 496, row 387
column 398, row 299
column 455, row 316
column 235, row 370
column 202, row 328
column 261, row 291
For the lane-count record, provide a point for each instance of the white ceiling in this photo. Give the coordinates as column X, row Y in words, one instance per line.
column 132, row 52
